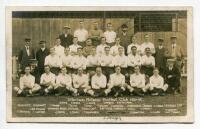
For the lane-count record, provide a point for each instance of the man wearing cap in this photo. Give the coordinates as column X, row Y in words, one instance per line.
column 147, row 44
column 95, row 34
column 27, row 85
column 160, row 56
column 172, row 76
column 110, row 35
column 125, row 36
column 66, row 38
column 148, row 63
column 25, row 54
column 176, row 52
column 81, row 33
column 41, row 54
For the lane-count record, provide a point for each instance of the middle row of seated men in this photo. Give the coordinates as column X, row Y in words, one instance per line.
column 78, row 84
column 75, row 60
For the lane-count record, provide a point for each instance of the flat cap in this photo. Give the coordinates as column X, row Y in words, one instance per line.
column 27, row 39
column 173, row 37
column 161, row 39
column 42, row 42
column 171, row 60
column 67, row 27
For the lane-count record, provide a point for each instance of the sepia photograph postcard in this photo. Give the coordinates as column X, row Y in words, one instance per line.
column 99, row 64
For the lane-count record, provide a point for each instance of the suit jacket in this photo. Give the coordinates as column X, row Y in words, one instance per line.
column 160, row 57
column 178, row 54
column 23, row 57
column 66, row 41
column 40, row 56
column 125, row 39
column 174, row 72
column 175, row 80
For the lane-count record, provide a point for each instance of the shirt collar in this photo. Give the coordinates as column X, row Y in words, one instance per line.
column 174, row 45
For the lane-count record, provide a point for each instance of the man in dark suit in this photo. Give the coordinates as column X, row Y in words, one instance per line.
column 172, row 77
column 25, row 54
column 66, row 38
column 175, row 51
column 160, row 56
column 41, row 55
column 125, row 35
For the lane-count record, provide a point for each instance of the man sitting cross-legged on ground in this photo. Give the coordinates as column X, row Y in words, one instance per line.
column 116, row 85
column 81, row 83
column 27, row 86
column 137, row 83
column 63, row 83
column 156, row 83
column 98, row 83
column 47, row 81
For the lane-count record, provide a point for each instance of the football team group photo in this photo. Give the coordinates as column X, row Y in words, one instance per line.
column 100, row 58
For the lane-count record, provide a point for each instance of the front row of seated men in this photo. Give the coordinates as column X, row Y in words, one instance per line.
column 98, row 84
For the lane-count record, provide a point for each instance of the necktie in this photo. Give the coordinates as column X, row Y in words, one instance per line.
column 27, row 49
column 173, row 51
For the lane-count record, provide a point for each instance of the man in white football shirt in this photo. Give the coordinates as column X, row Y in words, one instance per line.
column 73, row 48
column 137, row 82
column 81, row 33
column 121, row 60
column 156, row 83
column 27, row 85
column 53, row 61
column 67, row 60
column 107, row 62
column 134, row 43
column 59, row 49
column 81, row 83
column 116, row 84
column 98, row 83
column 110, row 35
column 93, row 61
column 47, row 81
column 79, row 61
column 101, row 48
column 148, row 63
column 147, row 44
column 134, row 59
column 114, row 50
column 63, row 83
